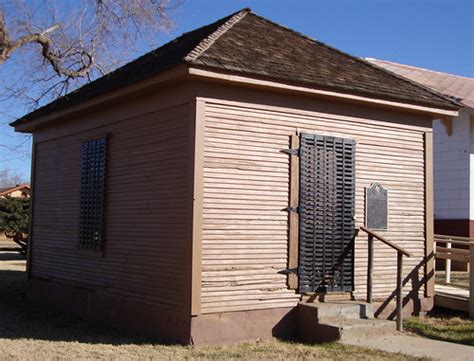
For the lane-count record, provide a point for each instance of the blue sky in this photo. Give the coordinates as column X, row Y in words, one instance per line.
column 434, row 34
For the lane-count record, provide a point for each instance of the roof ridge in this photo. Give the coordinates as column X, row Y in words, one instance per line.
column 419, row 68
column 207, row 42
column 361, row 60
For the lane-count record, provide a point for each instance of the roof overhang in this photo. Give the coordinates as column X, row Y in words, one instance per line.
column 251, row 81
column 27, row 125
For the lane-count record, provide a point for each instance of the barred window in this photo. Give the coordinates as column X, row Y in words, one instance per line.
column 92, row 194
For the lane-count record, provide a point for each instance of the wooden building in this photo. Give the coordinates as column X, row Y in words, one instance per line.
column 208, row 249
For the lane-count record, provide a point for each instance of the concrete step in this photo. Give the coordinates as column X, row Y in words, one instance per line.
column 356, row 330
column 339, row 329
column 347, row 309
column 340, row 321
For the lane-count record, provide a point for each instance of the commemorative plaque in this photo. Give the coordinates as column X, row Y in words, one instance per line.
column 376, row 201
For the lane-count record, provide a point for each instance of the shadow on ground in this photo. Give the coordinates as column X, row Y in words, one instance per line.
column 444, row 325
column 19, row 319
column 11, row 256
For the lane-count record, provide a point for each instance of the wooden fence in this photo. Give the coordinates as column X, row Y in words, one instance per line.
column 462, row 251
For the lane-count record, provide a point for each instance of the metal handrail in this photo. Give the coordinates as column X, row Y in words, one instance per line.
column 386, row 241
column 400, row 253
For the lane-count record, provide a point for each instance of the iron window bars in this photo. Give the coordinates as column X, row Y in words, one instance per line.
column 92, row 193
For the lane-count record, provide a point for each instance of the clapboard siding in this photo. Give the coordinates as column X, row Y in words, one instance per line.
column 246, row 186
column 148, row 195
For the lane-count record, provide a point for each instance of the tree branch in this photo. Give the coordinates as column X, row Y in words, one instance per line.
column 45, row 42
column 88, row 39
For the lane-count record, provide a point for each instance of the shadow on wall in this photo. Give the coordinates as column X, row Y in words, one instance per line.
column 286, row 328
column 20, row 319
column 413, row 295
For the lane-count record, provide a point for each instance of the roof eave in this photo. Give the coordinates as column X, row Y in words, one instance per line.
column 28, row 125
column 200, row 72
column 14, row 189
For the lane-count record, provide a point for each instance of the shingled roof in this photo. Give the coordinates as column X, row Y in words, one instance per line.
column 246, row 43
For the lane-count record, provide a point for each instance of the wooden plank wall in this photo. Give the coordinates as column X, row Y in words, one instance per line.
column 246, row 186
column 148, row 197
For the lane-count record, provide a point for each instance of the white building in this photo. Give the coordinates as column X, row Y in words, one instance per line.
column 453, row 145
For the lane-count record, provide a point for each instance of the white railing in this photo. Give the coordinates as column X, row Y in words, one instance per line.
column 463, row 251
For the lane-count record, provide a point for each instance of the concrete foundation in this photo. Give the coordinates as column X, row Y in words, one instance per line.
column 234, row 327
column 172, row 326
column 161, row 324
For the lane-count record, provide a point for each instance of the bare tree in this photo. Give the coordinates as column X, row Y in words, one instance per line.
column 9, row 178
column 48, row 47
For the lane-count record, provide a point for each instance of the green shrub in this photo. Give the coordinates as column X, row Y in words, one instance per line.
column 14, row 218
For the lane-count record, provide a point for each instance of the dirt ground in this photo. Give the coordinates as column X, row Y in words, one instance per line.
column 32, row 332
column 458, row 279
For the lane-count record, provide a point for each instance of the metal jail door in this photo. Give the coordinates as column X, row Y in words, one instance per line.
column 326, row 213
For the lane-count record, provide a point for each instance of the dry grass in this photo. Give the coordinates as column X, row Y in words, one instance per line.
column 29, row 332
column 444, row 325
column 269, row 350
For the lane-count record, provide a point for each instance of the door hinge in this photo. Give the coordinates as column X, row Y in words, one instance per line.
column 288, row 271
column 292, row 209
column 295, row 151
